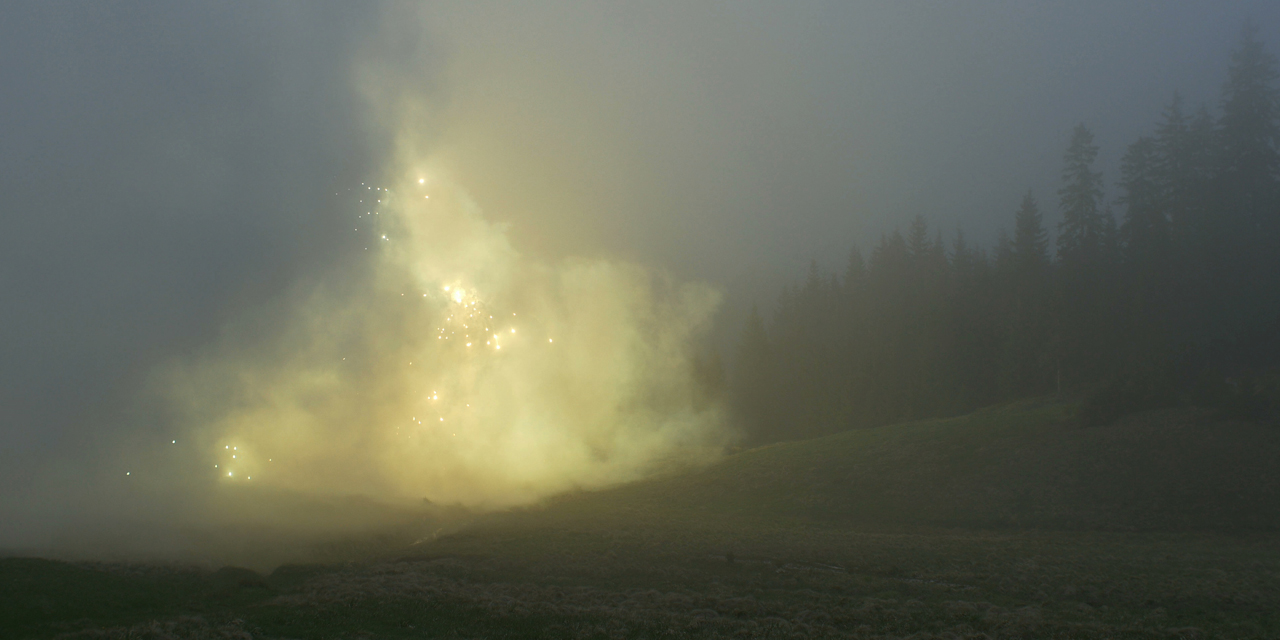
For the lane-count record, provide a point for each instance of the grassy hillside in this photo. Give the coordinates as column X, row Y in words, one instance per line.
column 1027, row 465
column 1009, row 523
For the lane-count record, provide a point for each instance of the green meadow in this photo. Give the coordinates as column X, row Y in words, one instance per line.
column 1013, row 522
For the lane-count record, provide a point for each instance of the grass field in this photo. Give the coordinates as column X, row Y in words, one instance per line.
column 1010, row 523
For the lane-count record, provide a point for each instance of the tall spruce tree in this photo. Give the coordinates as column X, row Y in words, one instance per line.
column 1186, row 173
column 1145, row 231
column 1250, row 131
column 855, row 273
column 1147, row 260
column 1247, row 248
column 973, row 337
column 1110, row 249
column 1175, row 169
column 918, row 239
column 1080, row 233
column 1030, row 240
column 1087, row 240
column 1025, row 365
column 1202, row 170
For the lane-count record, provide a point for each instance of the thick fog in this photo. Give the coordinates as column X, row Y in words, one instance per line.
column 191, row 263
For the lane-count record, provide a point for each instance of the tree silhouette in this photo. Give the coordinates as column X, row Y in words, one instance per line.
column 1080, row 234
column 1030, row 240
column 1249, row 131
column 1243, row 250
column 1027, row 366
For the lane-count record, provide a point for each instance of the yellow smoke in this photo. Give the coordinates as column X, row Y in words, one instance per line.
column 357, row 387
column 455, row 369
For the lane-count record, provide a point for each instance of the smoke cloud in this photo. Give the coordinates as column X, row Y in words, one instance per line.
column 441, row 362
column 454, row 368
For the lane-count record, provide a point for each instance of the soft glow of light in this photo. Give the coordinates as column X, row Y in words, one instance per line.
column 306, row 407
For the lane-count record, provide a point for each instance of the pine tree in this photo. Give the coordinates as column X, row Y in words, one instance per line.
column 1147, row 260
column 855, row 272
column 1145, row 232
column 1025, row 303
column 1247, row 247
column 1030, row 240
column 1186, row 174
column 973, row 341
column 1109, row 245
column 1004, row 254
column 1087, row 248
column 1080, row 234
column 918, row 239
column 1175, row 170
column 1202, row 168
column 1250, row 131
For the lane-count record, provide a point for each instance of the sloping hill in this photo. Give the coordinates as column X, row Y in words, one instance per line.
column 860, row 534
column 1026, row 465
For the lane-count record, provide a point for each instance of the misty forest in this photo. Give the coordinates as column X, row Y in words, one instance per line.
column 338, row 321
column 1170, row 297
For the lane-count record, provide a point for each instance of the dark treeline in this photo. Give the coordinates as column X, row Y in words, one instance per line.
column 1177, row 301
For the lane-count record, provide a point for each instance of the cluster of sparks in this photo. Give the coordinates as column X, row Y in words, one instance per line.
column 469, row 324
column 469, row 315
column 378, row 191
column 229, row 464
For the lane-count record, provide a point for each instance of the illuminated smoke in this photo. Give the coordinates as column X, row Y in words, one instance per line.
column 359, row 381
column 455, row 369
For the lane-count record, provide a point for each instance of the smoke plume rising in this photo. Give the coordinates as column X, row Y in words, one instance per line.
column 454, row 369
column 441, row 362
column 450, row 366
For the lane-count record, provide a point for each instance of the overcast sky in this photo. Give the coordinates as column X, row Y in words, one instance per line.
column 163, row 167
